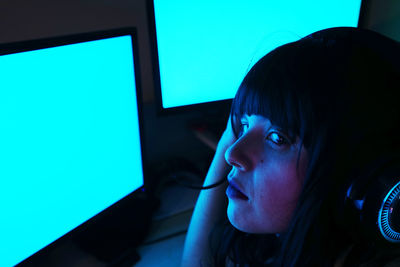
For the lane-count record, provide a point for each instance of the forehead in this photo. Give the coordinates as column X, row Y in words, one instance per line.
column 256, row 119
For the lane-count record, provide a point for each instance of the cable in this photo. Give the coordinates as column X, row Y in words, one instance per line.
column 180, row 181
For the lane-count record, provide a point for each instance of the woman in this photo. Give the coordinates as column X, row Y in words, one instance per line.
column 309, row 119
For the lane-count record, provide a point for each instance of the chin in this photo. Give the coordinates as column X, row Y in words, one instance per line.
column 246, row 224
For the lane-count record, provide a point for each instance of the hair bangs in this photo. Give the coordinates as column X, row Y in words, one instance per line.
column 266, row 91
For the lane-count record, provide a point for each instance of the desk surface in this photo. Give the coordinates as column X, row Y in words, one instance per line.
column 164, row 244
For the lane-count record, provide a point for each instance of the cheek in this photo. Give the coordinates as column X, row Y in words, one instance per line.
column 278, row 189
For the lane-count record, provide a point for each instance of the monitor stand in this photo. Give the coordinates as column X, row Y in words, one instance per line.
column 113, row 238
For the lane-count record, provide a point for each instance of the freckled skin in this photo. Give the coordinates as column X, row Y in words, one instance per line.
column 266, row 172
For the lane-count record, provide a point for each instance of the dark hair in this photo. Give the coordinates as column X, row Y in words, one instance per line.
column 338, row 91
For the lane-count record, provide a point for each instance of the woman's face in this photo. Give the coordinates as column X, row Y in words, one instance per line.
column 264, row 183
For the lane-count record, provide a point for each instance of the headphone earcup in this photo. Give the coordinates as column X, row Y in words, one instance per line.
column 370, row 206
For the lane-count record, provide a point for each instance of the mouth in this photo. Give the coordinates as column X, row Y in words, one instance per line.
column 233, row 192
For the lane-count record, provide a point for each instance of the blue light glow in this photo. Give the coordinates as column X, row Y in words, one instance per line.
column 69, row 145
column 206, row 47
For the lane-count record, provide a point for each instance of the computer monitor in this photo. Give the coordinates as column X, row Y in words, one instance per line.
column 203, row 49
column 70, row 136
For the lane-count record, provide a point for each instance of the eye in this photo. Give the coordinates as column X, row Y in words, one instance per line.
column 277, row 139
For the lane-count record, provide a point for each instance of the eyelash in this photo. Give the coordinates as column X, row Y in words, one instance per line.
column 285, row 141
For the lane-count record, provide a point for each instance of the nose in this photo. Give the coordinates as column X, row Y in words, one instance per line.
column 239, row 154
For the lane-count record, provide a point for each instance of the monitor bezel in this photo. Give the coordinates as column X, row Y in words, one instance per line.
column 141, row 192
column 198, row 107
column 161, row 111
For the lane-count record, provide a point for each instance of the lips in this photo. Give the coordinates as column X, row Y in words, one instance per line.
column 234, row 192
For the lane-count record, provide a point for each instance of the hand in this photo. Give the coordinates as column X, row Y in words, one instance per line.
column 227, row 139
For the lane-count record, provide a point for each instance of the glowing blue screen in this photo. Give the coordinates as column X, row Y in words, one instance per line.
column 69, row 145
column 206, row 47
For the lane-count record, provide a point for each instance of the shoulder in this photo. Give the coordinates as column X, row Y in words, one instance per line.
column 392, row 257
column 393, row 263
column 342, row 257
